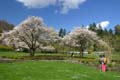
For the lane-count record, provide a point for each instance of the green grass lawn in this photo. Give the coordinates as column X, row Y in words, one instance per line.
column 17, row 54
column 52, row 70
column 12, row 53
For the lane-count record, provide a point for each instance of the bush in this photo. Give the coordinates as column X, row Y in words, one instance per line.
column 48, row 51
column 6, row 48
column 25, row 50
column 111, row 64
column 90, row 51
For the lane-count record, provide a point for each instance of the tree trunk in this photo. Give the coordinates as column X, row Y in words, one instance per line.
column 32, row 52
column 81, row 53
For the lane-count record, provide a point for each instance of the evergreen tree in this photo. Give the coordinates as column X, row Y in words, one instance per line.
column 117, row 38
column 111, row 32
column 100, row 31
column 62, row 32
column 117, row 30
column 93, row 27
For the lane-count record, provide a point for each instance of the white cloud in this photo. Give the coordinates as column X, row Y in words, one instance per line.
column 103, row 24
column 64, row 5
column 37, row 3
column 87, row 26
column 70, row 4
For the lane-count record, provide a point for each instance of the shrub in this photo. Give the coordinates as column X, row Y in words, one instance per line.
column 111, row 64
column 25, row 50
column 6, row 48
column 48, row 51
column 90, row 51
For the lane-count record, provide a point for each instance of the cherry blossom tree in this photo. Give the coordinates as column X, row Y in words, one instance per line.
column 82, row 38
column 31, row 33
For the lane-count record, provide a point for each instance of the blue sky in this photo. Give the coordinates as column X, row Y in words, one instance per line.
column 63, row 13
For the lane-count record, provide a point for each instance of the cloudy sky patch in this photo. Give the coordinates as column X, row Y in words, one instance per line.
column 64, row 5
column 103, row 24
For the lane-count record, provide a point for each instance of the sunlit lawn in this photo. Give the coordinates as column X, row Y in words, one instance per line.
column 17, row 54
column 12, row 54
column 52, row 70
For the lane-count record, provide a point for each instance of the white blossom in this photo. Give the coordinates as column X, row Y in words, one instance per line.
column 82, row 38
column 31, row 33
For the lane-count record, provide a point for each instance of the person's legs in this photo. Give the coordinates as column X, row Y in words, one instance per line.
column 103, row 67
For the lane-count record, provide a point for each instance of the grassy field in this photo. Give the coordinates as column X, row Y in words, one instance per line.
column 12, row 54
column 52, row 70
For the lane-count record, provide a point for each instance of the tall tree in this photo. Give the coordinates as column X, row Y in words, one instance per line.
column 117, row 30
column 117, row 38
column 100, row 31
column 82, row 38
column 111, row 32
column 93, row 27
column 62, row 32
column 32, row 33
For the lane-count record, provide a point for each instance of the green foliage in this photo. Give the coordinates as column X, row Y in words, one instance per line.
column 6, row 48
column 25, row 50
column 110, row 31
column 117, row 30
column 62, row 32
column 100, row 31
column 117, row 38
column 48, row 51
column 112, row 64
column 112, row 38
column 117, row 43
column 91, row 50
column 93, row 27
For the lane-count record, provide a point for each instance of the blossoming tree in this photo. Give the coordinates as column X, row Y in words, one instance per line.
column 82, row 38
column 31, row 33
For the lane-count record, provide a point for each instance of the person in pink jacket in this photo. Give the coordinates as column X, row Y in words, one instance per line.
column 103, row 63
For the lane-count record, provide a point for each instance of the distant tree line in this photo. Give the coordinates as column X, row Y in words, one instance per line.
column 112, row 37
